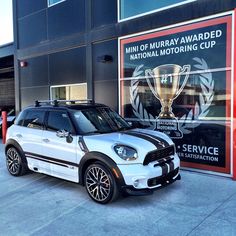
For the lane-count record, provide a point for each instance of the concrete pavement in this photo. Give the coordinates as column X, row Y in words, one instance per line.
column 37, row 204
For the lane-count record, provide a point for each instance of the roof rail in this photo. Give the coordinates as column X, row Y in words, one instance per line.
column 48, row 102
column 57, row 102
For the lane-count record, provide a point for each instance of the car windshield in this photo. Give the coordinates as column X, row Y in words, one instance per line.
column 99, row 120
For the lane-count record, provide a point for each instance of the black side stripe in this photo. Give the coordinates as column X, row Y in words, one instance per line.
column 145, row 137
column 51, row 160
column 56, row 163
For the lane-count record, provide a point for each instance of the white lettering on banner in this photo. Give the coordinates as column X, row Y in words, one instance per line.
column 181, row 49
column 143, row 47
column 200, row 149
column 206, row 45
column 193, row 42
column 144, row 55
column 164, row 43
column 201, row 36
column 197, row 156
column 131, row 49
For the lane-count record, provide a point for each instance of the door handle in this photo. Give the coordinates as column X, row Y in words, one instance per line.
column 46, row 140
column 18, row 135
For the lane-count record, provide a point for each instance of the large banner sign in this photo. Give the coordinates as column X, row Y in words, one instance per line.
column 177, row 80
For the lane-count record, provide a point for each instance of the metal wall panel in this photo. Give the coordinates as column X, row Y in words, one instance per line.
column 66, row 18
column 35, row 73
column 104, row 12
column 32, row 30
column 30, row 95
column 105, row 75
column 26, row 7
column 67, row 67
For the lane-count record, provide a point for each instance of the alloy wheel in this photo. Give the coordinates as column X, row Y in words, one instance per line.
column 13, row 161
column 98, row 183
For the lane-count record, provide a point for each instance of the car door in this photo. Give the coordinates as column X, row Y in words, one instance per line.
column 28, row 133
column 59, row 144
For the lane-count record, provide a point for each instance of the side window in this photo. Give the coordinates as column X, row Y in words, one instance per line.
column 34, row 119
column 59, row 120
column 53, row 2
column 20, row 118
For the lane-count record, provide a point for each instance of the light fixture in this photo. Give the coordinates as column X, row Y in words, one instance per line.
column 23, row 63
column 105, row 59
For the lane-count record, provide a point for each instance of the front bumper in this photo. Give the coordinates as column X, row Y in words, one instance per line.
column 130, row 190
column 146, row 178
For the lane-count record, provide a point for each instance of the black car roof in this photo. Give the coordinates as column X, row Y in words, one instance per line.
column 80, row 106
column 65, row 104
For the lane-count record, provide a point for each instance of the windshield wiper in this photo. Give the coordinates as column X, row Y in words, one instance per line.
column 124, row 128
column 95, row 132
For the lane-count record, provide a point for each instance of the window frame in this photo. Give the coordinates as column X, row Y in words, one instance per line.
column 73, row 130
column 68, row 85
column 20, row 118
column 53, row 4
column 42, row 127
column 148, row 12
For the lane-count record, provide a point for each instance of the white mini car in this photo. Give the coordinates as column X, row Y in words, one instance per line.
column 90, row 144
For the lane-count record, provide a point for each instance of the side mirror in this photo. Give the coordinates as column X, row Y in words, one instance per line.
column 62, row 133
column 65, row 134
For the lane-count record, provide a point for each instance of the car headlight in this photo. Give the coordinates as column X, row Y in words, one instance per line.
column 126, row 153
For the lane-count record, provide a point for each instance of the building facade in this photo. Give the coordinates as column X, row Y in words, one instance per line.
column 167, row 66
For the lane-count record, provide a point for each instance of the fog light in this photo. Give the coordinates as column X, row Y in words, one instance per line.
column 136, row 183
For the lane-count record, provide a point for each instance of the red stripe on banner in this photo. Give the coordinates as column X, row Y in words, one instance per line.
column 121, row 81
column 228, row 100
column 234, row 122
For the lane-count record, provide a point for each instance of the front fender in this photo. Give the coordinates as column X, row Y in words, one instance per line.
column 92, row 157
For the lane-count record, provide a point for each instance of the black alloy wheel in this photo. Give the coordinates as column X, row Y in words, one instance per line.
column 100, row 184
column 14, row 162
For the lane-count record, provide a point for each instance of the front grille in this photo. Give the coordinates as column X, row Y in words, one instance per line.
column 163, row 179
column 159, row 154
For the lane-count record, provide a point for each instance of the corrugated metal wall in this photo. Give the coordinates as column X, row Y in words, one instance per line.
column 7, row 92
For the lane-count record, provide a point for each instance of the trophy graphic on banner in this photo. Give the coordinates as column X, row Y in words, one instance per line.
column 166, row 88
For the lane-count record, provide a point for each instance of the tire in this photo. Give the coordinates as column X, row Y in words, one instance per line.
column 16, row 162
column 100, row 183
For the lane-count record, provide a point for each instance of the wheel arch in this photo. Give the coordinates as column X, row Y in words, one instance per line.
column 15, row 144
column 92, row 157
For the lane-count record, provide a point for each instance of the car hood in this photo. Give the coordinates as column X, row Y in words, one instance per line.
column 9, row 119
column 143, row 140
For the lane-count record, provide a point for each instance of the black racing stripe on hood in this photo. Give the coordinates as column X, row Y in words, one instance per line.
column 145, row 137
column 158, row 140
column 172, row 166
column 164, row 169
